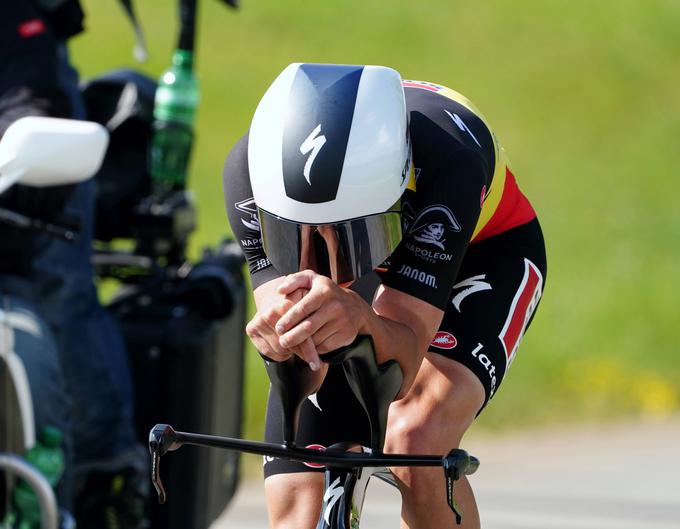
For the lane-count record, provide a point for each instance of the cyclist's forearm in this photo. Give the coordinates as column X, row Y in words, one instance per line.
column 402, row 327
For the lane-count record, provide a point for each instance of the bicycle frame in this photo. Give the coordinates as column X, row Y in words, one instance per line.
column 349, row 466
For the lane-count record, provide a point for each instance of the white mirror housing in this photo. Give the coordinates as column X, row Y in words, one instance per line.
column 41, row 151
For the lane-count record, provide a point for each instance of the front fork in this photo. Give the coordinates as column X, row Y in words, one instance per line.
column 345, row 490
column 343, row 497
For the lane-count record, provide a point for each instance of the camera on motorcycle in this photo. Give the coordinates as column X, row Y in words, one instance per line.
column 126, row 206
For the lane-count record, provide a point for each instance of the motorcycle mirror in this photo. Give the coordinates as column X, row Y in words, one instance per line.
column 41, row 151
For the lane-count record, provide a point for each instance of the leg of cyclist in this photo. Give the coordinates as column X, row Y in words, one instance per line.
column 294, row 491
column 432, row 419
column 501, row 281
column 294, row 500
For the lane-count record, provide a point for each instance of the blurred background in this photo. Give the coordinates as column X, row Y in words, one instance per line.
column 584, row 97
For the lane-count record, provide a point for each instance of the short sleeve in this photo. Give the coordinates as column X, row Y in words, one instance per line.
column 439, row 220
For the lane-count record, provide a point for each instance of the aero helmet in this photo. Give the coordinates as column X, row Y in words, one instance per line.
column 329, row 157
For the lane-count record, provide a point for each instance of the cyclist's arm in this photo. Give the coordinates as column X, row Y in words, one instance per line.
column 410, row 304
column 242, row 213
column 402, row 327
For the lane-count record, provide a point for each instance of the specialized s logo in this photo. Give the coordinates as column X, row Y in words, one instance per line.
column 470, row 286
column 333, row 493
column 318, row 122
column 461, row 125
column 312, row 143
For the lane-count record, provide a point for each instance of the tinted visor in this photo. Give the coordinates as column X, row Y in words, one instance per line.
column 343, row 251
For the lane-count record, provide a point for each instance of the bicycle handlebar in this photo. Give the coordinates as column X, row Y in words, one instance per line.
column 163, row 438
column 374, row 386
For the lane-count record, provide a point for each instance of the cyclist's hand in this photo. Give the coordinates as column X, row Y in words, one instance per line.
column 270, row 307
column 330, row 315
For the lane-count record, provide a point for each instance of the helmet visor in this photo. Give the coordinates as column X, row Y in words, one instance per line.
column 343, row 251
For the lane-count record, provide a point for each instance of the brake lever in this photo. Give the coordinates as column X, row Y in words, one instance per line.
column 451, row 463
column 156, row 477
column 162, row 438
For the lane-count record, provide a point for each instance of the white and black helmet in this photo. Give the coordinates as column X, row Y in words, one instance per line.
column 329, row 157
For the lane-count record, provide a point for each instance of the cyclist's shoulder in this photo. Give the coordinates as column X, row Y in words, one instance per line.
column 444, row 121
column 448, row 132
column 432, row 98
column 433, row 91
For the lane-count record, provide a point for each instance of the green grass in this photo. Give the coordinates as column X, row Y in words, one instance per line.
column 584, row 95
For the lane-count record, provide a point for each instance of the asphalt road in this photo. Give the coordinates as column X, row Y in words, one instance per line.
column 623, row 476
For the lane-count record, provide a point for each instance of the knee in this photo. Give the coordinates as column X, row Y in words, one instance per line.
column 437, row 411
column 429, row 429
column 294, row 500
column 415, row 435
column 410, row 433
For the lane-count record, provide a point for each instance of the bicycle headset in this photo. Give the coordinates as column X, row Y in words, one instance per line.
column 329, row 156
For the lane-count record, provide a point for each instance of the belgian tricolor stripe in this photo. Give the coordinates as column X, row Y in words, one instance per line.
column 415, row 84
column 512, row 210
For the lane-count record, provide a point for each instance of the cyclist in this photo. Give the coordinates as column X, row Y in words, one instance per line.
column 368, row 205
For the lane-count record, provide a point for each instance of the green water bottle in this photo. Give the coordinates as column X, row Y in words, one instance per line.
column 177, row 97
column 48, row 457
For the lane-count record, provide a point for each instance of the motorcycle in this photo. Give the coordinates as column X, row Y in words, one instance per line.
column 36, row 152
